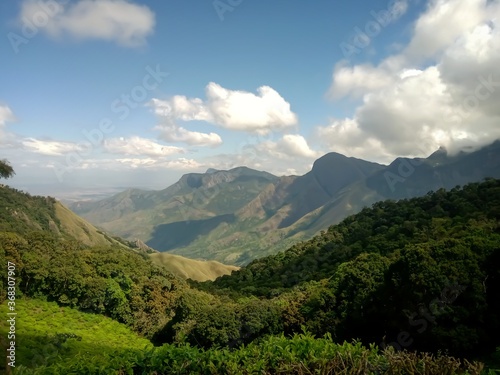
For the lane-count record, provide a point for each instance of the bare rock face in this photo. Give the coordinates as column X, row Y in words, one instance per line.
column 143, row 247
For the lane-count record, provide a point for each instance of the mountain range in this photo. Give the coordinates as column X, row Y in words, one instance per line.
column 242, row 214
column 22, row 213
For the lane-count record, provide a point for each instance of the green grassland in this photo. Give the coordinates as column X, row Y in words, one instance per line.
column 47, row 333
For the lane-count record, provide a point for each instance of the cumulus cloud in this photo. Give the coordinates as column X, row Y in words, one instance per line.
column 139, row 146
column 52, row 148
column 174, row 133
column 289, row 147
column 411, row 109
column 6, row 138
column 147, row 163
column 120, row 21
column 152, row 163
column 258, row 113
column 6, row 115
column 443, row 22
column 355, row 81
column 289, row 154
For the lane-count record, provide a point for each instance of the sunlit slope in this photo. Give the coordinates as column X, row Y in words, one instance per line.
column 80, row 229
column 192, row 269
column 47, row 334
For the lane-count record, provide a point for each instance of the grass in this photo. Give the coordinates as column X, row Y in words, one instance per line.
column 47, row 334
column 80, row 229
column 192, row 269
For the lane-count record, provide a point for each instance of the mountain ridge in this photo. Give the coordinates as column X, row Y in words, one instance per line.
column 283, row 210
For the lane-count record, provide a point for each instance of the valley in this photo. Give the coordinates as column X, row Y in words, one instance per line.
column 240, row 215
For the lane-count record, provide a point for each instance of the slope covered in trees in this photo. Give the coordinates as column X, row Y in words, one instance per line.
column 419, row 274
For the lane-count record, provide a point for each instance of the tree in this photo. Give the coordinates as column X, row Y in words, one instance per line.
column 6, row 170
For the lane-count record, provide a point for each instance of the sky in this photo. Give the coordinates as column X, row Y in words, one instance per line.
column 101, row 95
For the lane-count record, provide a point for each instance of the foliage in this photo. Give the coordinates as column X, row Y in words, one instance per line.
column 300, row 354
column 112, row 281
column 424, row 270
column 47, row 334
column 419, row 274
column 6, row 170
column 22, row 212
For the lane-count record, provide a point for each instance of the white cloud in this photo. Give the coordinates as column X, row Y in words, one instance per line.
column 289, row 147
column 52, row 148
column 151, row 163
column 120, row 21
column 6, row 115
column 232, row 109
column 443, row 22
column 174, row 133
column 411, row 109
column 139, row 146
column 290, row 154
column 122, row 164
column 357, row 80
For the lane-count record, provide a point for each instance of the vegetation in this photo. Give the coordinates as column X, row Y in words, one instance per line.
column 414, row 267
column 48, row 334
column 300, row 354
column 199, row 270
column 371, row 294
column 240, row 215
column 112, row 281
column 6, row 170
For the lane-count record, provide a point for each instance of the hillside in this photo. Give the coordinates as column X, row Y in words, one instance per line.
column 280, row 212
column 21, row 212
column 197, row 270
column 64, row 341
column 51, row 335
column 414, row 266
column 373, row 274
column 195, row 197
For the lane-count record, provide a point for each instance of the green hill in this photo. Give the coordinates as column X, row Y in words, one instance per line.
column 21, row 213
column 415, row 266
column 192, row 269
column 195, row 196
column 420, row 274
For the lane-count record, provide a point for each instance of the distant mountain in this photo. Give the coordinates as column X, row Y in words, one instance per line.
column 23, row 213
column 239, row 215
column 173, row 217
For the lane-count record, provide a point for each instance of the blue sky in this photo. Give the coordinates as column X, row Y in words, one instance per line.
column 109, row 94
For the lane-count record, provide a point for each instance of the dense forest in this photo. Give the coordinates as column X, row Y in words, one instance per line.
column 397, row 279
